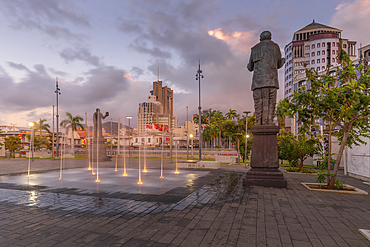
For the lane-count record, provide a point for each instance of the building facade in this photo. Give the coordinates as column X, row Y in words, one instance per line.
column 315, row 46
column 164, row 95
column 364, row 53
column 148, row 112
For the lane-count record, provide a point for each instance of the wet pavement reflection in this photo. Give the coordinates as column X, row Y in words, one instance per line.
column 226, row 186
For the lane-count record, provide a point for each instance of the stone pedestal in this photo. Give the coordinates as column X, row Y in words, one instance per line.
column 101, row 151
column 265, row 158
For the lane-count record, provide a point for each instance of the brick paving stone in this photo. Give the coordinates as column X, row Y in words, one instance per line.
column 221, row 212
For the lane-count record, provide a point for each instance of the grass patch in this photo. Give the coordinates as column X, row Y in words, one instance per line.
column 297, row 169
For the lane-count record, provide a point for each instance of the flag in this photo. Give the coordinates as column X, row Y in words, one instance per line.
column 149, row 126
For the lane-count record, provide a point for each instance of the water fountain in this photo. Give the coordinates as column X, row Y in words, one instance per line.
column 124, row 159
column 145, row 139
column 30, row 149
column 177, row 170
column 88, row 143
column 139, row 182
column 97, row 156
column 162, row 156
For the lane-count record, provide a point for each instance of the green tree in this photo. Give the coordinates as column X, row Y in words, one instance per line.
column 342, row 98
column 13, row 143
column 236, row 130
column 40, row 142
column 72, row 123
column 41, row 125
column 286, row 147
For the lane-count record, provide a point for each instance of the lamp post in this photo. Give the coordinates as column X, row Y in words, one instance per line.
column 191, row 138
column 129, row 138
column 197, row 77
column 57, row 91
column 246, row 137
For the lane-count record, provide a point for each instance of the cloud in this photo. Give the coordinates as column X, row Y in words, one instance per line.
column 155, row 51
column 352, row 19
column 18, row 66
column 82, row 54
column 137, row 71
column 129, row 26
column 49, row 17
column 241, row 41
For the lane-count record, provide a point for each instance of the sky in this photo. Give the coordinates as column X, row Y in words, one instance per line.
column 106, row 54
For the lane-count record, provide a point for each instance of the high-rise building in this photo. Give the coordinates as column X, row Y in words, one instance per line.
column 147, row 112
column 164, row 96
column 158, row 109
column 315, row 46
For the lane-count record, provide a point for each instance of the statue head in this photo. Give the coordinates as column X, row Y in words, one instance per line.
column 265, row 35
column 97, row 109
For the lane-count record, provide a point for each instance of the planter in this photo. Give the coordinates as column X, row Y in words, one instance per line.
column 302, row 173
column 347, row 189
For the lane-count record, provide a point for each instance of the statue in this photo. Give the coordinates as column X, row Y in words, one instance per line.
column 97, row 117
column 265, row 60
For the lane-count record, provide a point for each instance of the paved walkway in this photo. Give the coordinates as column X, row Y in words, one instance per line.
column 219, row 212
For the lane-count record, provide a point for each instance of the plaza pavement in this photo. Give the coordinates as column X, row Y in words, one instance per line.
column 216, row 211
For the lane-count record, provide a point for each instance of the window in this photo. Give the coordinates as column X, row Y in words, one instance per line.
column 323, row 44
column 136, row 140
column 318, row 60
column 333, row 52
column 333, row 44
column 318, row 53
column 313, row 62
column 149, row 140
column 323, row 52
column 333, row 60
column 312, row 54
column 344, row 45
column 337, row 44
column 307, row 54
column 307, row 47
column 323, row 67
column 323, row 60
column 313, row 46
column 318, row 45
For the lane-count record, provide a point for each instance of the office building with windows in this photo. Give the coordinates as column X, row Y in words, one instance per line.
column 315, row 46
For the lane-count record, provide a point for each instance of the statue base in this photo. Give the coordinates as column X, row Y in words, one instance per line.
column 100, row 149
column 265, row 158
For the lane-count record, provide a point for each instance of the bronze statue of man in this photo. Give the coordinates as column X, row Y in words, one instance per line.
column 265, row 60
column 97, row 117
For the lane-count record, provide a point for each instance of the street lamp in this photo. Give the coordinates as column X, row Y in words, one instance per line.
column 197, row 77
column 246, row 137
column 191, row 138
column 57, row 92
column 129, row 138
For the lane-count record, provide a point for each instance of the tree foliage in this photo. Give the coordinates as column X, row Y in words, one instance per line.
column 13, row 143
column 72, row 123
column 342, row 98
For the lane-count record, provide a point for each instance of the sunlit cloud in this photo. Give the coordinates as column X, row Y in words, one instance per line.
column 241, row 41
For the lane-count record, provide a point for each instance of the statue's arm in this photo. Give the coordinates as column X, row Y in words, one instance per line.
column 281, row 60
column 106, row 115
column 250, row 65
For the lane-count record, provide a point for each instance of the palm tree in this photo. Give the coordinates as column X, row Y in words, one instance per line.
column 41, row 126
column 231, row 114
column 72, row 123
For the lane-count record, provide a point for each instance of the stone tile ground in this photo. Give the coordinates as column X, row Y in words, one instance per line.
column 218, row 212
